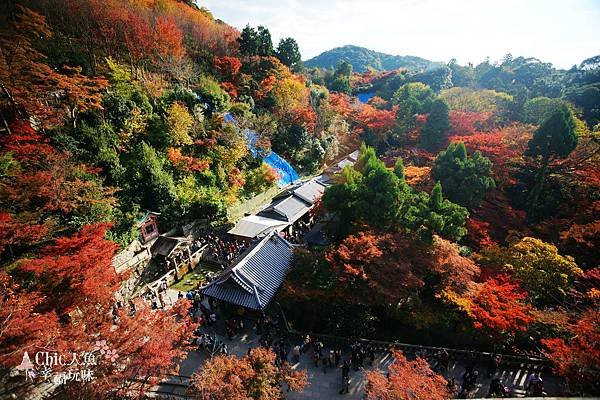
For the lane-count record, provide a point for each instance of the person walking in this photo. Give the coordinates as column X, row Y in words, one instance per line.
column 361, row 356
column 296, row 354
column 444, row 360
column 532, row 381
column 493, row 365
column 371, row 354
column 345, row 378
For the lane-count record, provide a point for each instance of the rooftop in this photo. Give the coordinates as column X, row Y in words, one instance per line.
column 255, row 279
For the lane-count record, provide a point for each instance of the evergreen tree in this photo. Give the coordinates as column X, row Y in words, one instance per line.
column 432, row 214
column 381, row 195
column 150, row 184
column 264, row 42
column 248, row 41
column 465, row 179
column 341, row 78
column 368, row 194
column 438, row 123
column 412, row 99
column 399, row 169
column 288, row 53
column 554, row 139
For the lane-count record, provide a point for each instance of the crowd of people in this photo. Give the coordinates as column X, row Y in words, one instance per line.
column 180, row 257
column 361, row 354
column 300, row 228
column 156, row 299
column 221, row 249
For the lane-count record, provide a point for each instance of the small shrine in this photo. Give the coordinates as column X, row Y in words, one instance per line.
column 148, row 226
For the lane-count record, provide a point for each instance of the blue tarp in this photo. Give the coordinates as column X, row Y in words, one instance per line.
column 286, row 172
column 365, row 97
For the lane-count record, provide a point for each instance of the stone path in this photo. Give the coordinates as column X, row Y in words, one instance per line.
column 326, row 385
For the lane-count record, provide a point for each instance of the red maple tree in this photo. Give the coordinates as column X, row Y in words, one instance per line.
column 578, row 357
column 168, row 39
column 498, row 306
column 385, row 268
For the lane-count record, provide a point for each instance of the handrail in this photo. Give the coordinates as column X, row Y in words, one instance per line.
column 505, row 358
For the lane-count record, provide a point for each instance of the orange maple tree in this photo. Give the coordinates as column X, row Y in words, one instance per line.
column 385, row 268
column 168, row 39
column 255, row 376
column 406, row 380
column 33, row 87
column 186, row 163
column 25, row 77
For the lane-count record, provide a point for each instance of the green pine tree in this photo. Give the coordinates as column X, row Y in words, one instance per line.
column 437, row 124
column 554, row 139
column 465, row 179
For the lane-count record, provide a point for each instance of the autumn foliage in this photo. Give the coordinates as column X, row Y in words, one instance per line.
column 382, row 268
column 32, row 86
column 186, row 163
column 65, row 302
column 253, row 377
column 578, row 356
column 406, row 380
column 110, row 107
column 498, row 305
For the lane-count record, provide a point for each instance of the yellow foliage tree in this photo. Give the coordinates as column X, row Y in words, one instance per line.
column 477, row 101
column 290, row 94
column 179, row 121
column 545, row 274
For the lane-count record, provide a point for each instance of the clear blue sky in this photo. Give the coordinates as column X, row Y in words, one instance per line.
column 561, row 32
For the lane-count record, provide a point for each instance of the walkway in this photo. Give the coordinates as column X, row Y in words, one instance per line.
column 325, row 385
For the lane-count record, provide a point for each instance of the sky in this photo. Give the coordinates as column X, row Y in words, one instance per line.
column 561, row 32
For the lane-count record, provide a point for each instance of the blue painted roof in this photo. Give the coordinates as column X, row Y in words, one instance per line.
column 286, row 172
column 365, row 97
column 255, row 279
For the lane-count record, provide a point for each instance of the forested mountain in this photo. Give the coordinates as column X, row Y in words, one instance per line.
column 471, row 218
column 363, row 59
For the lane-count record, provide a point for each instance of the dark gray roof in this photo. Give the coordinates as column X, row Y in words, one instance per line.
column 164, row 245
column 252, row 226
column 255, row 279
column 288, row 209
column 325, row 179
column 316, row 236
column 310, row 191
column 295, row 202
column 345, row 162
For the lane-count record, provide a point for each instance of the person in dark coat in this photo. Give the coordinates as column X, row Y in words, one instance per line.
column 345, row 377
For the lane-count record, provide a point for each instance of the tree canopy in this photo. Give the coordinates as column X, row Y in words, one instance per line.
column 432, row 134
column 465, row 179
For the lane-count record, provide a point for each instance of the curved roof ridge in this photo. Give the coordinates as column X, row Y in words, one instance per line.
column 245, row 281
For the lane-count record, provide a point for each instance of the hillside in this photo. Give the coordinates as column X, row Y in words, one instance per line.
column 362, row 58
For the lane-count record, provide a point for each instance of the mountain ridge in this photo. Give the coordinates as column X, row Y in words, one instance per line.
column 363, row 58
